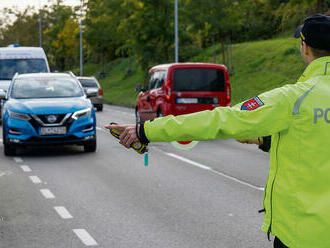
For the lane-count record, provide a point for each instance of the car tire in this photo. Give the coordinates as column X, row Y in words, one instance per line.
column 8, row 149
column 137, row 116
column 99, row 107
column 160, row 113
column 90, row 146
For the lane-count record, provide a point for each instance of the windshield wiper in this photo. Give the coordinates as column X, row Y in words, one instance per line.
column 5, row 78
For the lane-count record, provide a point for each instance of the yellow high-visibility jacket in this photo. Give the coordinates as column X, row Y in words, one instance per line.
column 297, row 192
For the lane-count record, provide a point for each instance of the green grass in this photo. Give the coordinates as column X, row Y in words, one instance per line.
column 258, row 66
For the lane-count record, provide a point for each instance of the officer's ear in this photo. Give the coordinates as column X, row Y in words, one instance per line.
column 304, row 48
column 306, row 53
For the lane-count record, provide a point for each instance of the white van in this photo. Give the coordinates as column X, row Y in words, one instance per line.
column 22, row 60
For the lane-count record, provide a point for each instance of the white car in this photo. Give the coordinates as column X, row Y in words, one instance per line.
column 93, row 88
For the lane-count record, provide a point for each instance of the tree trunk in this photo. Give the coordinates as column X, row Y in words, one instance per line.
column 223, row 50
column 319, row 6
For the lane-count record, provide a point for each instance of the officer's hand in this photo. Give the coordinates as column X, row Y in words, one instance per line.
column 128, row 135
column 250, row 141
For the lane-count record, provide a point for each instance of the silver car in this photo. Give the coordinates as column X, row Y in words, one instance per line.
column 92, row 87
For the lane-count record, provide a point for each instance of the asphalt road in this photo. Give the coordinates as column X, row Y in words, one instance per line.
column 61, row 197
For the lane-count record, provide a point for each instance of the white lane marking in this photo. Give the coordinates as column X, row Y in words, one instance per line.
column 18, row 160
column 212, row 170
column 5, row 173
column 26, row 168
column 63, row 212
column 47, row 193
column 85, row 237
column 103, row 130
column 238, row 180
column 189, row 161
column 35, row 179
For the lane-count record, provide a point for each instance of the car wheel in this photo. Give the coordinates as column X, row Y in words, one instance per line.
column 159, row 113
column 8, row 149
column 99, row 107
column 90, row 146
column 137, row 116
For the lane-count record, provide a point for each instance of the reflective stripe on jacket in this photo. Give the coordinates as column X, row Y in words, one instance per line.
column 297, row 192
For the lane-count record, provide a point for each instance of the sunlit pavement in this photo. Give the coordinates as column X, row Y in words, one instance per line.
column 62, row 197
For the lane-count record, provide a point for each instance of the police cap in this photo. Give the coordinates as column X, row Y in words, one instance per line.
column 315, row 32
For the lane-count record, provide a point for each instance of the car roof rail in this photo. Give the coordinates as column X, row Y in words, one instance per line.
column 71, row 74
column 15, row 76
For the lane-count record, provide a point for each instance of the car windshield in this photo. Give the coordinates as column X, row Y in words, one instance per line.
column 8, row 67
column 88, row 83
column 197, row 79
column 25, row 88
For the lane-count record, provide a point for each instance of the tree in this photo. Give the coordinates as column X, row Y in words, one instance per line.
column 56, row 17
column 150, row 30
column 24, row 29
column 102, row 21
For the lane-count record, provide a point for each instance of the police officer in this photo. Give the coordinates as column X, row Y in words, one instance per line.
column 297, row 116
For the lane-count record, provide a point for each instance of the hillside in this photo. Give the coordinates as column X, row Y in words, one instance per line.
column 258, row 66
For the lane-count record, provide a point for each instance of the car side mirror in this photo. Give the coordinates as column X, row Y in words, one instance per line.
column 139, row 88
column 3, row 95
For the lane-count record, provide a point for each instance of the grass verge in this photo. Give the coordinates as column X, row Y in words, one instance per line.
column 258, row 66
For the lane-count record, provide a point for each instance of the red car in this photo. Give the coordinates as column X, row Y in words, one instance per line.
column 183, row 88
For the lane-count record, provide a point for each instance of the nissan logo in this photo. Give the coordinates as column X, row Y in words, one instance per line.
column 51, row 118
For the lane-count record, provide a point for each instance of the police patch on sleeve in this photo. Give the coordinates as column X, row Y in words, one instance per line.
column 252, row 104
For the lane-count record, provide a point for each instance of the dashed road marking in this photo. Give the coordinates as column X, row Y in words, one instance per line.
column 26, row 168
column 5, row 173
column 35, row 179
column 47, row 193
column 85, row 237
column 63, row 212
column 18, row 160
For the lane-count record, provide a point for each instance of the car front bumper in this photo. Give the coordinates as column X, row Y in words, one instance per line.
column 22, row 133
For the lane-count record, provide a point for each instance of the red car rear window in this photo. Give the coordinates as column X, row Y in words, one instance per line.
column 198, row 79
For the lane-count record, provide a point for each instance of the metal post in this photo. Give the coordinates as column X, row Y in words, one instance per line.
column 40, row 25
column 81, row 37
column 176, row 32
column 40, row 29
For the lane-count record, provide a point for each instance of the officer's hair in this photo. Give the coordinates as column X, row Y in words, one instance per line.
column 319, row 53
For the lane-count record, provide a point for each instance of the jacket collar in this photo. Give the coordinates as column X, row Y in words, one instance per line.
column 317, row 67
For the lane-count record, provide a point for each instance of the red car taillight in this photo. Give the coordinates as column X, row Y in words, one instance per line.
column 168, row 91
column 100, row 92
column 228, row 96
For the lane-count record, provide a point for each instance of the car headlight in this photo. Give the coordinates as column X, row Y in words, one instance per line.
column 81, row 113
column 19, row 116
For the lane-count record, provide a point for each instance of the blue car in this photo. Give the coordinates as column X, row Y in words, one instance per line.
column 47, row 109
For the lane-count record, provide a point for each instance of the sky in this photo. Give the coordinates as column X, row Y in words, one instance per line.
column 21, row 4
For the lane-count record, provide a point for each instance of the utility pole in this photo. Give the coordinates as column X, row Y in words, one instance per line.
column 176, row 31
column 40, row 26
column 40, row 29
column 81, row 37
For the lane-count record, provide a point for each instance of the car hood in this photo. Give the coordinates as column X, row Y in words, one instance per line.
column 48, row 105
column 4, row 84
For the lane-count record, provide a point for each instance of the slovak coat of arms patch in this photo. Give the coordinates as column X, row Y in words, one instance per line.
column 252, row 104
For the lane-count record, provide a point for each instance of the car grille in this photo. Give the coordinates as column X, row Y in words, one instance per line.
column 38, row 121
column 44, row 118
